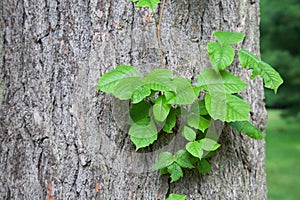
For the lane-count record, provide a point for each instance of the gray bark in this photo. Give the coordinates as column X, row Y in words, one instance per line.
column 62, row 139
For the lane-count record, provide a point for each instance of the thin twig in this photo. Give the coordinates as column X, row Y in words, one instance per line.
column 159, row 33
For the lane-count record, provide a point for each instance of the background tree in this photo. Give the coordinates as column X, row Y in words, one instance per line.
column 280, row 28
column 60, row 138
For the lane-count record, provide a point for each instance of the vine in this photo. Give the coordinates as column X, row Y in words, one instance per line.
column 158, row 99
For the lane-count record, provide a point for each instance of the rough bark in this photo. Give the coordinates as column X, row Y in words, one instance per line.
column 62, row 139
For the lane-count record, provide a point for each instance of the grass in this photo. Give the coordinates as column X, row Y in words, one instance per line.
column 283, row 157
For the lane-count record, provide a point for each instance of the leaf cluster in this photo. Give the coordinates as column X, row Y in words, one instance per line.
column 158, row 99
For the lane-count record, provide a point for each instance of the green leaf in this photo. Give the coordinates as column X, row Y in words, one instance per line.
column 198, row 108
column 248, row 129
column 170, row 96
column 143, row 135
column 223, row 81
column 139, row 112
column 195, row 149
column 209, row 154
column 126, row 87
column 221, row 55
column 170, row 121
column 184, row 92
column 140, row 93
column 143, row 142
column 188, row 133
column 159, row 80
column 248, row 59
column 109, row 80
column 226, row 107
column 228, row 37
column 196, row 118
column 215, row 103
column 143, row 131
column 163, row 171
column 147, row 3
column 175, row 171
column 203, row 166
column 197, row 91
column 271, row 77
column 165, row 159
column 184, row 159
column 176, row 197
column 198, row 122
column 180, row 110
column 160, row 74
column 209, row 144
column 161, row 109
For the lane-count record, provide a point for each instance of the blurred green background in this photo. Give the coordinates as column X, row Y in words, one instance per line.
column 280, row 42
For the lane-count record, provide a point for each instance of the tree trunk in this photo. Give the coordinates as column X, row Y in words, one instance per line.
column 62, row 139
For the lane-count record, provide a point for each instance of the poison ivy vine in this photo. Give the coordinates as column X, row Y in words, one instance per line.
column 159, row 98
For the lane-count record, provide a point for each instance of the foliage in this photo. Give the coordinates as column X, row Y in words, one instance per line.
column 221, row 54
column 176, row 197
column 280, row 28
column 158, row 98
column 248, row 129
column 271, row 77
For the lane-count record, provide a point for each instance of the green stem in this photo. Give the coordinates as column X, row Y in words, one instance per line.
column 154, row 17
